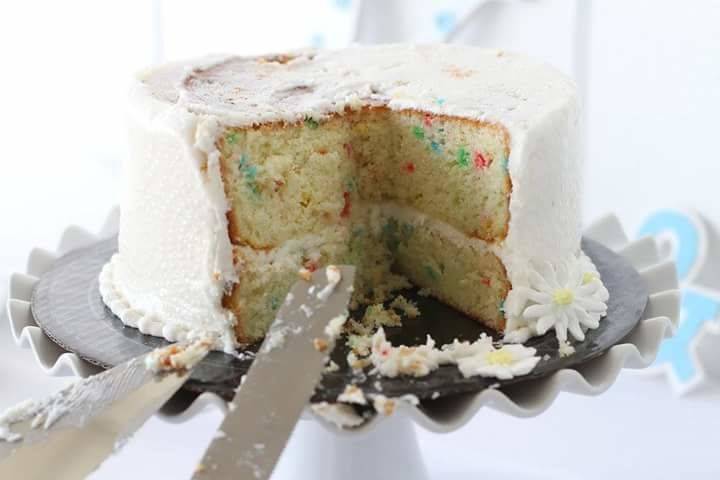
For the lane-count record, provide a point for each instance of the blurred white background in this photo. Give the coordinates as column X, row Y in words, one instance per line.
column 649, row 73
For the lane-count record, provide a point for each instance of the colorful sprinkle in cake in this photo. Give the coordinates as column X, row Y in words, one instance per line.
column 450, row 168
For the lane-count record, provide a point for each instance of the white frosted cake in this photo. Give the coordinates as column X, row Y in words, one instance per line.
column 450, row 168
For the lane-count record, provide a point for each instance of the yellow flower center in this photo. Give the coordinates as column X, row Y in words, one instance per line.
column 589, row 277
column 563, row 296
column 499, row 357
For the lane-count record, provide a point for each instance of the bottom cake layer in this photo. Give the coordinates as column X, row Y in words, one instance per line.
column 390, row 245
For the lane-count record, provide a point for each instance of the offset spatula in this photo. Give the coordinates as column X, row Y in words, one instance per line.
column 86, row 422
column 280, row 381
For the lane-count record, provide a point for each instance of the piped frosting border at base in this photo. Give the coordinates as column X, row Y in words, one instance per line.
column 152, row 324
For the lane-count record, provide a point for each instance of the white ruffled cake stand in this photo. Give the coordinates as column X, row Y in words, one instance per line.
column 386, row 447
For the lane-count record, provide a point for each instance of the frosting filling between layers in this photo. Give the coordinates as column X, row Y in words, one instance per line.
column 383, row 241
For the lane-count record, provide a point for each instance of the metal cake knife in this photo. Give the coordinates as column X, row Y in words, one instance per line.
column 281, row 379
column 69, row 434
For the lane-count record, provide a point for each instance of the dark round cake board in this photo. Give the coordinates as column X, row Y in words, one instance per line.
column 67, row 305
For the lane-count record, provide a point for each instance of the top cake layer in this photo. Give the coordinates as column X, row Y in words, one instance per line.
column 535, row 103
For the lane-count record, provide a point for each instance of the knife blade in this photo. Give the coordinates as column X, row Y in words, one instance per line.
column 69, row 434
column 280, row 381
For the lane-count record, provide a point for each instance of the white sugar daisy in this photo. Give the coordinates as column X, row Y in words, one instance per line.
column 592, row 276
column 502, row 363
column 566, row 297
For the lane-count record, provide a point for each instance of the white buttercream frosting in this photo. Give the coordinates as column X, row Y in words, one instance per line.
column 175, row 257
column 177, row 357
column 339, row 414
column 333, row 276
column 352, row 394
column 478, row 358
column 17, row 413
column 335, row 326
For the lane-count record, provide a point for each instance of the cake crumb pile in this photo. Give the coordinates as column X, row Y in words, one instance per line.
column 178, row 357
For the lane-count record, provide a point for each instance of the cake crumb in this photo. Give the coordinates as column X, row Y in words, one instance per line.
column 335, row 326
column 378, row 316
column 306, row 310
column 383, row 405
column 339, row 414
column 332, row 367
column 177, row 357
column 424, row 292
column 358, row 329
column 244, row 355
column 357, row 364
column 334, row 276
column 411, row 399
column 378, row 386
column 305, row 274
column 320, row 344
column 200, row 468
column 352, row 394
column 375, row 316
column 480, row 357
column 408, row 307
column 435, row 396
column 275, row 337
column 7, row 435
column 565, row 349
column 416, row 361
column 360, row 344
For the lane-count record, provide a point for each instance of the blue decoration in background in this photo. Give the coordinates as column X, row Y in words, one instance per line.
column 686, row 232
column 343, row 4
column 698, row 305
column 696, row 309
column 445, row 21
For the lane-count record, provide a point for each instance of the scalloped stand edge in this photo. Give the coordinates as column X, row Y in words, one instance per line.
column 322, row 451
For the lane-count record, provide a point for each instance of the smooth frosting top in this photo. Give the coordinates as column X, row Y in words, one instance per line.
column 468, row 82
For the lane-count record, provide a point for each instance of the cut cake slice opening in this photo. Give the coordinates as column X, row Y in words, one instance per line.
column 403, row 195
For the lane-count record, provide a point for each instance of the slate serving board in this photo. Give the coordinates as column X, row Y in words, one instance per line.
column 67, row 305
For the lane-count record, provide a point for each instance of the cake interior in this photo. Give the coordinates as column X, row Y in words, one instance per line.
column 403, row 195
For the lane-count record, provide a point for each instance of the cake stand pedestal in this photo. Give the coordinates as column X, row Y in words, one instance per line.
column 388, row 451
column 387, row 447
